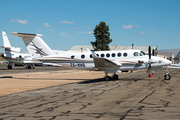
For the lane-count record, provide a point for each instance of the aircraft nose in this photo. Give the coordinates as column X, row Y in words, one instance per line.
column 168, row 62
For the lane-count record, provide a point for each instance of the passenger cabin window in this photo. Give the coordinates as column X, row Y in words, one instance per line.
column 135, row 53
column 82, row 56
column 113, row 55
column 102, row 55
column 107, row 55
column 119, row 54
column 72, row 57
column 97, row 55
column 90, row 56
column 125, row 54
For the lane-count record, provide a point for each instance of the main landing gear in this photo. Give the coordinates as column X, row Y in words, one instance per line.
column 30, row 66
column 115, row 77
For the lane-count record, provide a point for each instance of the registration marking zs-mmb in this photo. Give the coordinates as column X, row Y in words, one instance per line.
column 77, row 65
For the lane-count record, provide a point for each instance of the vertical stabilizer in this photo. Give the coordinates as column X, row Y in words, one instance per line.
column 6, row 40
column 35, row 45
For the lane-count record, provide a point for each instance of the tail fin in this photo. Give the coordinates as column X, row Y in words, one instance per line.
column 7, row 46
column 35, row 45
column 6, row 40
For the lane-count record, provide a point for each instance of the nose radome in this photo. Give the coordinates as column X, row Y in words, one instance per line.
column 168, row 61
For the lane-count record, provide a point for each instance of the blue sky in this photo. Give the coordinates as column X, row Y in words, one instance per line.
column 65, row 23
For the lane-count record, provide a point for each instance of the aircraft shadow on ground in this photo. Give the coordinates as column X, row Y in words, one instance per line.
column 6, row 77
column 92, row 81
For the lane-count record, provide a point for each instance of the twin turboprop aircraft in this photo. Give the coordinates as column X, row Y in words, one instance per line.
column 108, row 61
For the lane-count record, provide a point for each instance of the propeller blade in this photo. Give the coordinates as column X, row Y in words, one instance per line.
column 149, row 69
column 149, row 52
column 153, row 52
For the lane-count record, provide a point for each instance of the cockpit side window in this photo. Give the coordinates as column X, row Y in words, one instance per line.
column 142, row 53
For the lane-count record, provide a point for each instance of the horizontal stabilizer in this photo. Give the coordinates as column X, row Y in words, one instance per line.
column 11, row 49
column 4, row 62
column 5, row 47
column 26, row 34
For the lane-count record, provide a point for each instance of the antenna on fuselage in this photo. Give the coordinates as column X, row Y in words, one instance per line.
column 132, row 46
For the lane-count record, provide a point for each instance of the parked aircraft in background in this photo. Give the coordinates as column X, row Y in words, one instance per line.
column 13, row 55
column 108, row 61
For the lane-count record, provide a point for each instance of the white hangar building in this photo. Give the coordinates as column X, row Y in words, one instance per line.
column 173, row 54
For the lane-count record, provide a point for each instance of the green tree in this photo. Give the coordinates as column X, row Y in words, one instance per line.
column 102, row 37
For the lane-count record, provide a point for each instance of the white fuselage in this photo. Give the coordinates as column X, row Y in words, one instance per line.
column 19, row 58
column 130, row 59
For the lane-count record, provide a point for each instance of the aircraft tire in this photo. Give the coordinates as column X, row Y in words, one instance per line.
column 107, row 78
column 167, row 77
column 115, row 77
column 10, row 67
column 29, row 67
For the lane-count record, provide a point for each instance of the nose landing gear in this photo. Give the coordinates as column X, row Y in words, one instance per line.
column 167, row 76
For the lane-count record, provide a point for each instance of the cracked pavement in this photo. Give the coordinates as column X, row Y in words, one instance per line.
column 133, row 96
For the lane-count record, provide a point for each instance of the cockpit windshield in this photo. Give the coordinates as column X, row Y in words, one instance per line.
column 142, row 53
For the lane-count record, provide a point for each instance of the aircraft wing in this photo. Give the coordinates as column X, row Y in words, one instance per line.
column 105, row 64
column 52, row 64
column 4, row 62
column 174, row 66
